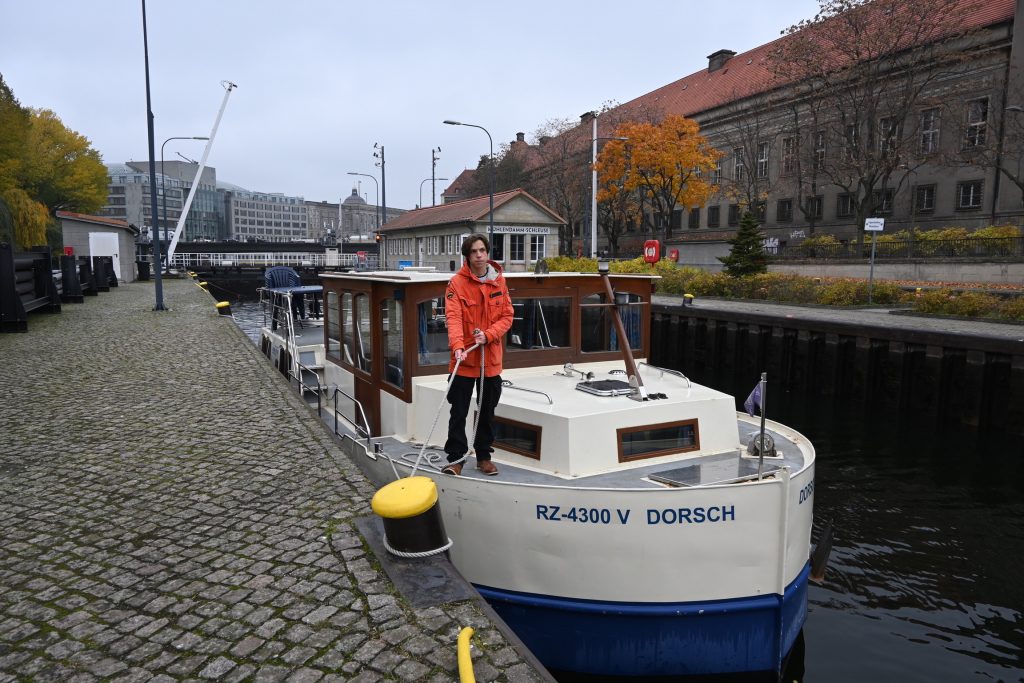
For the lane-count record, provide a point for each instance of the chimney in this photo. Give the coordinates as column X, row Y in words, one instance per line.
column 520, row 137
column 587, row 117
column 716, row 60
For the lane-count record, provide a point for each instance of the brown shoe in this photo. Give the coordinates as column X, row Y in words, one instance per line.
column 487, row 467
column 455, row 469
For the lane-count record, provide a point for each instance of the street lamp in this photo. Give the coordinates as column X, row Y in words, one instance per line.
column 433, row 169
column 163, row 185
column 490, row 230
column 431, row 179
column 376, row 195
column 593, row 186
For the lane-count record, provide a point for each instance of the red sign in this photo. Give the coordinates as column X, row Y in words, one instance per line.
column 652, row 251
column 673, row 255
column 69, row 251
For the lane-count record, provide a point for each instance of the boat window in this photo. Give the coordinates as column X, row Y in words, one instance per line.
column 650, row 441
column 345, row 323
column 333, row 326
column 391, row 322
column 432, row 333
column 541, row 323
column 362, row 337
column 598, row 330
column 517, row 437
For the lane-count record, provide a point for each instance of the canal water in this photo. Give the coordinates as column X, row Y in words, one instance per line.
column 925, row 582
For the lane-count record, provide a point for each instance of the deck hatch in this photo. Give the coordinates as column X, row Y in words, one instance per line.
column 716, row 471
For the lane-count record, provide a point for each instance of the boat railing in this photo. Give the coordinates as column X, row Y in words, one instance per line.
column 507, row 383
column 362, row 431
column 668, row 370
column 304, row 372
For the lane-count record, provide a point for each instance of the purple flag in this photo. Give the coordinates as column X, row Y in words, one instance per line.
column 753, row 400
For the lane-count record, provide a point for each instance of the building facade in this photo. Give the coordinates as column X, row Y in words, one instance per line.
column 359, row 220
column 324, row 220
column 265, row 217
column 525, row 231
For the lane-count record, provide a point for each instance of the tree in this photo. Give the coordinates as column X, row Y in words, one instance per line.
column 667, row 164
column 61, row 169
column 561, row 178
column 22, row 220
column 746, row 257
column 869, row 68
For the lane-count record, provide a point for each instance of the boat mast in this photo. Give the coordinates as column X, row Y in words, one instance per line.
column 620, row 330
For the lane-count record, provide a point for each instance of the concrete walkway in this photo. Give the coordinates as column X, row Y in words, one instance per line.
column 169, row 510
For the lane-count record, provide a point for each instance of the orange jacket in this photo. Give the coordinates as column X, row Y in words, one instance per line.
column 470, row 304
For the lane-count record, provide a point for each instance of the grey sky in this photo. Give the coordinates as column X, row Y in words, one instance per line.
column 320, row 82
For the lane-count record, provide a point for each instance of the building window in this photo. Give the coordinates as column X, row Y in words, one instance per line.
column 654, row 440
column 881, row 202
column 968, row 195
column 716, row 175
column 851, row 140
column 888, row 136
column 844, row 205
column 695, row 218
column 784, row 211
column 714, row 216
column 498, row 248
column 977, row 121
column 762, row 160
column 517, row 248
column 537, row 247
column 924, row 199
column 759, row 209
column 815, row 206
column 734, row 214
column 738, row 169
column 819, row 149
column 788, row 155
column 930, row 131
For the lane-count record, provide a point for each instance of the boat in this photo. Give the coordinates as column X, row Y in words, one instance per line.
column 640, row 525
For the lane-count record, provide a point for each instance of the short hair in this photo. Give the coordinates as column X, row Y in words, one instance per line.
column 468, row 243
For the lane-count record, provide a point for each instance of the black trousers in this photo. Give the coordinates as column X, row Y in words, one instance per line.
column 459, row 397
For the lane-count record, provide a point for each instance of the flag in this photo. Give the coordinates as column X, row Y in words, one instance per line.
column 753, row 400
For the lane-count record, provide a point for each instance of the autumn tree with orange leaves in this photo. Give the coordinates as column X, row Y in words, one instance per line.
column 662, row 166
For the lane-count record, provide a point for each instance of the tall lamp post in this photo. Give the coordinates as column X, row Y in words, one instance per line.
column 163, row 182
column 433, row 168
column 593, row 186
column 431, row 179
column 376, row 191
column 490, row 228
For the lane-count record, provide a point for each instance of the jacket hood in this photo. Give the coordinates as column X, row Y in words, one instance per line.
column 468, row 274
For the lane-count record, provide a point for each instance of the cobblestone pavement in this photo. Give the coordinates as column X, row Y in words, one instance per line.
column 169, row 510
column 862, row 316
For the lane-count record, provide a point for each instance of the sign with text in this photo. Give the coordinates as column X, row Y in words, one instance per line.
column 522, row 229
column 874, row 224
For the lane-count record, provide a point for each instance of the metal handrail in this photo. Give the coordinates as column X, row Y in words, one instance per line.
column 669, row 371
column 508, row 383
column 318, row 388
column 359, row 430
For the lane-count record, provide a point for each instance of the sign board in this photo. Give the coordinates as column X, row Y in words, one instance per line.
column 652, row 251
column 874, row 224
column 673, row 255
column 402, row 265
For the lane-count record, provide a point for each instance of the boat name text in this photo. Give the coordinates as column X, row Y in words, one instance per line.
column 806, row 493
column 585, row 515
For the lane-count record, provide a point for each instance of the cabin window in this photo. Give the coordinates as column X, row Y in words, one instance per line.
column 517, row 437
column 391, row 323
column 345, row 326
column 651, row 441
column 541, row 323
column 599, row 334
column 333, row 326
column 432, row 333
column 362, row 337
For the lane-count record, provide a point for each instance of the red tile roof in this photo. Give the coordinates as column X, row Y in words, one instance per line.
column 466, row 211
column 101, row 220
column 457, row 187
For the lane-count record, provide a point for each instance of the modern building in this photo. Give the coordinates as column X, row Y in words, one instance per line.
column 525, row 231
column 920, row 143
column 265, row 217
column 359, row 220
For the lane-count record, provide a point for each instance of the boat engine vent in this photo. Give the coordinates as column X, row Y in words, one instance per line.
column 754, row 445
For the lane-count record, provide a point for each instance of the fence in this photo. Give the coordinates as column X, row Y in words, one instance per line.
column 966, row 247
column 268, row 259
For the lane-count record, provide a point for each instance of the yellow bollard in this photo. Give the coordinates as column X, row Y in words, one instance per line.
column 202, row 285
column 687, row 299
column 465, row 659
column 224, row 307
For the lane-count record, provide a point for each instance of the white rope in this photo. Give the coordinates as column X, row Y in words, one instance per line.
column 425, row 553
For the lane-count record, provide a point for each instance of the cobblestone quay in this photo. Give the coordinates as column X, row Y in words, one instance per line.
column 169, row 510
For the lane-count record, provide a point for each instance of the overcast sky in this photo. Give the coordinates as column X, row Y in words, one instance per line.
column 320, row 82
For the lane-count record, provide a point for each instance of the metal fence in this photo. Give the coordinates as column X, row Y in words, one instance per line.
column 268, row 259
column 967, row 247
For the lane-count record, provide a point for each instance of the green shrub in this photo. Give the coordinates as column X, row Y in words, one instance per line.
column 819, row 245
column 1011, row 309
column 1001, row 231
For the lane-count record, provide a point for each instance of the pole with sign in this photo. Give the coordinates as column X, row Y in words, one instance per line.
column 875, row 225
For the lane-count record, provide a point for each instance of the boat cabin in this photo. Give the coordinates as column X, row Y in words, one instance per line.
column 566, row 407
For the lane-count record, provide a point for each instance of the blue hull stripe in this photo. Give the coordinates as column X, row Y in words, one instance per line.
column 656, row 639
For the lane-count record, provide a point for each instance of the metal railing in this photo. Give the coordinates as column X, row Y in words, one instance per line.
column 271, row 258
column 966, row 247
